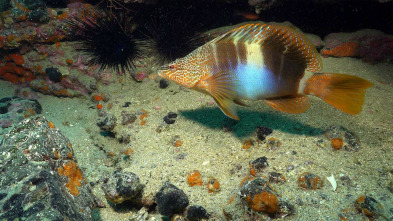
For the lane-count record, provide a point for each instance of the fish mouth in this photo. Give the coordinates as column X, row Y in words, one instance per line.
column 163, row 68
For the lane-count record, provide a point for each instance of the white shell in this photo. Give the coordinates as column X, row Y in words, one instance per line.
column 332, row 181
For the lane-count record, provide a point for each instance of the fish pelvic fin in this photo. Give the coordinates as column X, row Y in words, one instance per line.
column 342, row 91
column 293, row 105
column 222, row 87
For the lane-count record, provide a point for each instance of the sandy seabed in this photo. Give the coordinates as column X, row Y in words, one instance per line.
column 215, row 153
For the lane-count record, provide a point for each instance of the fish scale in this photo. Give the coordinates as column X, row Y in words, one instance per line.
column 268, row 62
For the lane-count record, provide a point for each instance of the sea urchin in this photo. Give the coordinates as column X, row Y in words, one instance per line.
column 107, row 38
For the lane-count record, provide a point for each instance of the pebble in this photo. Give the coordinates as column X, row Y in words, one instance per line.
column 369, row 207
column 53, row 74
column 170, row 118
column 107, row 123
column 122, row 186
column 127, row 118
column 259, row 196
column 196, row 213
column 263, row 132
column 171, row 200
column 349, row 139
column 275, row 177
column 310, row 181
column 258, row 165
column 163, row 83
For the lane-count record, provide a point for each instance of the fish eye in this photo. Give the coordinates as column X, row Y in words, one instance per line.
column 172, row 66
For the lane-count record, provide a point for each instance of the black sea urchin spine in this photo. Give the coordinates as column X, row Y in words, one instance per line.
column 107, row 37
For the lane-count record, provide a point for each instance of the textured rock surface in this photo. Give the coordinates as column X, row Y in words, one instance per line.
column 39, row 176
column 123, row 186
column 15, row 109
column 171, row 200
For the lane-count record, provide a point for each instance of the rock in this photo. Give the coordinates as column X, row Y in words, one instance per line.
column 310, row 181
column 123, row 186
column 127, row 118
column 258, row 165
column 370, row 207
column 172, row 114
column 163, row 83
column 53, row 74
column 39, row 176
column 195, row 213
column 38, row 16
column 170, row 118
column 263, row 132
column 4, row 5
column 171, row 200
column 15, row 109
column 258, row 196
column 349, row 139
column 275, row 177
column 370, row 45
column 107, row 122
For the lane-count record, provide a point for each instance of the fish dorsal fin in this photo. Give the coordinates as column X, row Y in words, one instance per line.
column 292, row 105
column 283, row 39
column 221, row 87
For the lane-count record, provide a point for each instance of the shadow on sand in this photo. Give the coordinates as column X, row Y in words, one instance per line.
column 249, row 120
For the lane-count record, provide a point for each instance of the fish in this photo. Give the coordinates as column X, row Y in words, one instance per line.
column 269, row 62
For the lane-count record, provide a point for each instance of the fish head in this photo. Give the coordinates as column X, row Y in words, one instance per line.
column 182, row 72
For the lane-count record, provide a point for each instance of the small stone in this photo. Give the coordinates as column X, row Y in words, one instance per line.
column 53, row 74
column 123, row 186
column 169, row 120
column 369, row 207
column 346, row 138
column 263, row 132
column 213, row 185
column 284, row 209
column 310, row 181
column 258, row 195
column 127, row 118
column 171, row 200
column 273, row 144
column 163, row 83
column 107, row 123
column 257, row 166
column 38, row 16
column 196, row 213
column 290, row 167
column 126, row 104
column 172, row 114
column 275, row 177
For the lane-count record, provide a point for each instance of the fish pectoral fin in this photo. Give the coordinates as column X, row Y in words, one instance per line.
column 222, row 88
column 292, row 105
column 240, row 102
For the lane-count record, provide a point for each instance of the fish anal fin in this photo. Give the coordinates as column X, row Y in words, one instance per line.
column 227, row 107
column 222, row 88
column 292, row 105
column 240, row 102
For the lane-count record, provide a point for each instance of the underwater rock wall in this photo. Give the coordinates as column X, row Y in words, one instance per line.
column 39, row 175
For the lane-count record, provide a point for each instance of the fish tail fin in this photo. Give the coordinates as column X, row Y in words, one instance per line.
column 342, row 91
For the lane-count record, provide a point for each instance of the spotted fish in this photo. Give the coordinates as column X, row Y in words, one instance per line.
column 268, row 62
